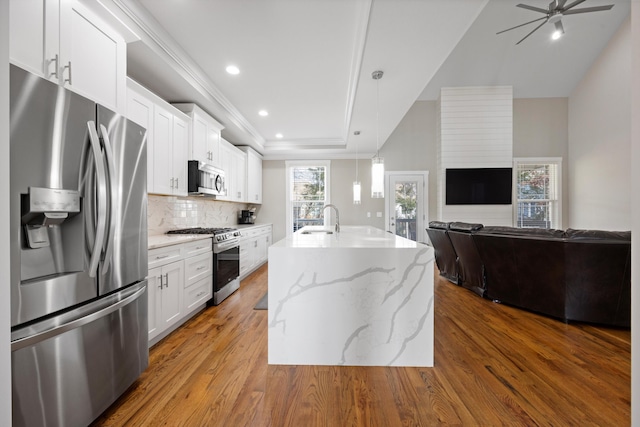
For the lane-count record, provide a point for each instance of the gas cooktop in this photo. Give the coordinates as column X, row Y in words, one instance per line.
column 202, row 230
column 220, row 233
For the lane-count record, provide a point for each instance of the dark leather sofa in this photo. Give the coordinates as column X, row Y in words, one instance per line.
column 574, row 275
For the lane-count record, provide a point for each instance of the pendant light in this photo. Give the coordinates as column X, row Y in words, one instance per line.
column 357, row 189
column 377, row 162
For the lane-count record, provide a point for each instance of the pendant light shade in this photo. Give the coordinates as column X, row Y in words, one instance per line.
column 377, row 177
column 357, row 193
column 377, row 163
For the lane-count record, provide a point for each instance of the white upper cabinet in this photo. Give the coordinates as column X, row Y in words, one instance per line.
column 65, row 42
column 254, row 175
column 204, row 145
column 167, row 140
column 233, row 164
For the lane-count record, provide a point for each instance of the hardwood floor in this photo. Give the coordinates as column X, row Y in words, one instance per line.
column 494, row 365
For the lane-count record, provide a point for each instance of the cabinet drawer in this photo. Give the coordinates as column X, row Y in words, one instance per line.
column 197, row 268
column 198, row 294
column 198, row 247
column 161, row 256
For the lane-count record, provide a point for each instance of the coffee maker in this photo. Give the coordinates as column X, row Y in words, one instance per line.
column 247, row 217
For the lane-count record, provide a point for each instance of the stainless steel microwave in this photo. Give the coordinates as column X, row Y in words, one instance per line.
column 204, row 179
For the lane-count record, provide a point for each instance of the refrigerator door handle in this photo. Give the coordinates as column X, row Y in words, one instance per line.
column 108, row 151
column 78, row 321
column 102, row 199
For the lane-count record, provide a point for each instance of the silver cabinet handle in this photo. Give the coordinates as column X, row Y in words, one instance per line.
column 199, row 294
column 160, row 280
column 202, row 267
column 172, row 183
column 166, row 280
column 54, row 73
column 68, row 68
column 161, row 256
column 177, row 185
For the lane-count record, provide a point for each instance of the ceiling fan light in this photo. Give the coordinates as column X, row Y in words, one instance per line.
column 556, row 35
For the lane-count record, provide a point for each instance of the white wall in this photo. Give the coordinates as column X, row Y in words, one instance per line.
column 541, row 129
column 476, row 131
column 635, row 209
column 412, row 146
column 342, row 177
column 5, row 277
column 599, row 174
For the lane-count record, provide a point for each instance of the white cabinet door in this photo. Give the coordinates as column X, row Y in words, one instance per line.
column 204, row 143
column 92, row 56
column 254, row 177
column 226, row 164
column 140, row 110
column 199, row 140
column 172, row 293
column 180, row 142
column 154, row 298
column 239, row 161
column 34, row 41
column 163, row 180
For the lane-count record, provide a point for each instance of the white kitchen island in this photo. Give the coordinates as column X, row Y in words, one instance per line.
column 361, row 297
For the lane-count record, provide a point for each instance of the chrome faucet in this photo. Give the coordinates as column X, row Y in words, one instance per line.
column 337, row 215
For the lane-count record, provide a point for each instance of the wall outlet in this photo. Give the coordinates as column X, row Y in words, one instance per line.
column 379, row 214
column 368, row 214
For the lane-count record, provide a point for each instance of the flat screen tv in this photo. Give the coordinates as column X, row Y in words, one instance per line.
column 478, row 186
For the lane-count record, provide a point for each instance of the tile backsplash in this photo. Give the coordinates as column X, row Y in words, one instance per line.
column 169, row 213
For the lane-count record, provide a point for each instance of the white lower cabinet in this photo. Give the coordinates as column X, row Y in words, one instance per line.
column 254, row 246
column 165, row 294
column 180, row 281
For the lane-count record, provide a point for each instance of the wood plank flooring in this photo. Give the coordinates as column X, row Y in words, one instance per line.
column 494, row 365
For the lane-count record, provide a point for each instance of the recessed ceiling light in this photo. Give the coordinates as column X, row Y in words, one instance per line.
column 279, row 135
column 263, row 113
column 232, row 69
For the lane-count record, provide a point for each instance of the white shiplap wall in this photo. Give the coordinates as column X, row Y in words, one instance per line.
column 476, row 131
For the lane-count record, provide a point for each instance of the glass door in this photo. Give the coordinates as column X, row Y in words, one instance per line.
column 406, row 205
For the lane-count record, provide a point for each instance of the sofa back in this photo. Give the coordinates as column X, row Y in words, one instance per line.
column 470, row 266
column 445, row 254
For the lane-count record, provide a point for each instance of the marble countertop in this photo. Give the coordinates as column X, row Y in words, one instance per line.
column 350, row 236
column 162, row 240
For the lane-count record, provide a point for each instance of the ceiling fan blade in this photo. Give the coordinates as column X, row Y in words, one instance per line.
column 559, row 27
column 535, row 9
column 588, row 9
column 518, row 26
column 534, row 30
column 561, row 3
column 574, row 4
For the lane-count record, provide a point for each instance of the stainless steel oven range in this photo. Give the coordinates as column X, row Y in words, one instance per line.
column 226, row 259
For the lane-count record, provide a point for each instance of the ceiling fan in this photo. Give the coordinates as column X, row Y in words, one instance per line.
column 554, row 14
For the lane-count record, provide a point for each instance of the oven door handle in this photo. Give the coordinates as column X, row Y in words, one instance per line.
column 219, row 247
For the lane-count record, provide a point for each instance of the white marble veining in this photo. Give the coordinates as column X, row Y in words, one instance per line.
column 362, row 297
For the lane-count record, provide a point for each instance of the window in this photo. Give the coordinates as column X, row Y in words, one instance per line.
column 307, row 193
column 538, row 193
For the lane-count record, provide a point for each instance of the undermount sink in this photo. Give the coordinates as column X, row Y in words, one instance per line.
column 316, row 231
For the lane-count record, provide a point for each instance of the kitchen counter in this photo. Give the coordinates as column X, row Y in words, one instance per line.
column 162, row 240
column 359, row 297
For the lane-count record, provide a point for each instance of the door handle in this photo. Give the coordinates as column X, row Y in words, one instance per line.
column 102, row 199
column 108, row 151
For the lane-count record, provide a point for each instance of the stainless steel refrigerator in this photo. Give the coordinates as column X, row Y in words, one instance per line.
column 78, row 254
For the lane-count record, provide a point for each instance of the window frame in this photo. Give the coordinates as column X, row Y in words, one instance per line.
column 289, row 165
column 557, row 161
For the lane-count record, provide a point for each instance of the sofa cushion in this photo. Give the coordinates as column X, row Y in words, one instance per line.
column 624, row 236
column 524, row 232
column 439, row 225
column 465, row 226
